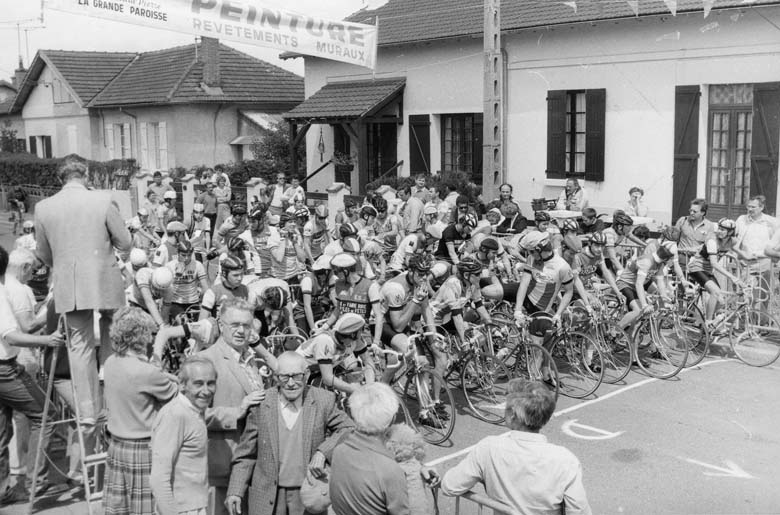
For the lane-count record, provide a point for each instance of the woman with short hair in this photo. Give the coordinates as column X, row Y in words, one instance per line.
column 135, row 390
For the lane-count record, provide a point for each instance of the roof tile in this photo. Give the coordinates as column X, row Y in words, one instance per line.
column 346, row 99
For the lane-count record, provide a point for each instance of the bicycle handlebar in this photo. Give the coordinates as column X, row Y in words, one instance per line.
column 380, row 350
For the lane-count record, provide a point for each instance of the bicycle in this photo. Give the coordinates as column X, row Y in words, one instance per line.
column 653, row 353
column 576, row 355
column 177, row 349
column 420, row 381
column 754, row 335
column 613, row 342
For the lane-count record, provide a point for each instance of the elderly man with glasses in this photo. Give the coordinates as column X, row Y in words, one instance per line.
column 293, row 430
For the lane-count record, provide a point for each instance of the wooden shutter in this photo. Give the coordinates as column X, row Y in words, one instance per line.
column 766, row 137
column 686, row 148
column 556, row 134
column 33, row 146
column 110, row 141
column 163, row 146
column 47, row 147
column 144, row 146
column 127, row 144
column 419, row 143
column 595, row 116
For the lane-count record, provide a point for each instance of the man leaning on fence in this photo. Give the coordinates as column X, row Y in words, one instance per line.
column 76, row 232
column 520, row 468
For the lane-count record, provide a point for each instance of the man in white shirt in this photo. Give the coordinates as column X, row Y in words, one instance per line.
column 276, row 194
column 520, row 468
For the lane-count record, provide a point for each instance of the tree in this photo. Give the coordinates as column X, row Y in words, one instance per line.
column 7, row 138
column 273, row 149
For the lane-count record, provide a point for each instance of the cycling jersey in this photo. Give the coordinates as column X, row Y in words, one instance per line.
column 700, row 262
column 357, row 298
column 289, row 266
column 258, row 287
column 382, row 227
column 229, row 229
column 547, row 277
column 645, row 265
column 167, row 251
column 406, row 248
column 586, row 266
column 451, row 298
column 450, row 235
column 318, row 234
column 396, row 293
column 197, row 233
column 218, row 293
column 260, row 253
column 323, row 350
column 186, row 279
column 143, row 279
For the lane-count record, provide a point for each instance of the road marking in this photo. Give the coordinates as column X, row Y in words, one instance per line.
column 466, row 450
column 601, row 434
column 733, row 469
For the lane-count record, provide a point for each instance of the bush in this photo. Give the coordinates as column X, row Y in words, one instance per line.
column 18, row 169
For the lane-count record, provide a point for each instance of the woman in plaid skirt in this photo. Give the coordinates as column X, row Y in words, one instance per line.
column 135, row 390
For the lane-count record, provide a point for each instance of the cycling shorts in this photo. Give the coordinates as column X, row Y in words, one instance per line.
column 701, row 277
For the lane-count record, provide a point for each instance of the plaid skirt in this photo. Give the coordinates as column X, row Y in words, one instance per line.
column 127, row 490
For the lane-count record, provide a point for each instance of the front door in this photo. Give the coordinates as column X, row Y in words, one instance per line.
column 730, row 142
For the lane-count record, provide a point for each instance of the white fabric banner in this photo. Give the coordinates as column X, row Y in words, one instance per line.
column 244, row 21
column 634, row 5
column 672, row 5
column 708, row 7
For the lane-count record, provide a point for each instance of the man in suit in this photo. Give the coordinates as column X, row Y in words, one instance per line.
column 76, row 232
column 239, row 386
column 294, row 426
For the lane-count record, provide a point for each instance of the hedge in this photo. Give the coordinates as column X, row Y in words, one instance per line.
column 24, row 168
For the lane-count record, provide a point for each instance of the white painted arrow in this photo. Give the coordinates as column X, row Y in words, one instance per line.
column 733, row 469
column 600, row 434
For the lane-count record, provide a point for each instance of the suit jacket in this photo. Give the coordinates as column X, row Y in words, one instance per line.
column 257, row 455
column 222, row 419
column 76, row 231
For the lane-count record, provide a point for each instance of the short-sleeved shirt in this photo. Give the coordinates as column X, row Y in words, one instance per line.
column 692, row 237
column 547, row 278
column 143, row 279
column 289, row 266
column 406, row 248
column 645, row 265
column 197, row 233
column 229, row 229
column 166, row 252
column 358, row 298
column 322, row 350
column 586, row 265
column 186, row 280
column 258, row 287
column 451, row 296
column 219, row 293
column 260, row 254
column 382, row 227
column 450, row 235
column 317, row 233
column 700, row 262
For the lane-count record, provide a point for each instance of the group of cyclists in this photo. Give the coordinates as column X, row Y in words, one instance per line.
column 376, row 277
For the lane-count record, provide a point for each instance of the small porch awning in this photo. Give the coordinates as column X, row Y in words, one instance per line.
column 347, row 101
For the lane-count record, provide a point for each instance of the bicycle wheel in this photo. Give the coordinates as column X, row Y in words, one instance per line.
column 615, row 346
column 532, row 362
column 653, row 355
column 485, row 382
column 579, row 362
column 687, row 327
column 755, row 338
column 435, row 421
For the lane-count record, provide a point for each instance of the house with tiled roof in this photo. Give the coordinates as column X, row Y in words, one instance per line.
column 680, row 104
column 196, row 104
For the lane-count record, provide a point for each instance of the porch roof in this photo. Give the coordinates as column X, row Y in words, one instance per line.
column 341, row 101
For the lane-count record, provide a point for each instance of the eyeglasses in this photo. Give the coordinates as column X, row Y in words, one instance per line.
column 298, row 378
column 322, row 218
column 235, row 326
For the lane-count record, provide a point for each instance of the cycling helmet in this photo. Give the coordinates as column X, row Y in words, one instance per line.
column 237, row 244
column 349, row 324
column 321, row 210
column 440, row 270
column 379, row 203
column 257, row 214
column 598, row 238
column 238, row 209
column 433, row 231
column 569, row 225
column 535, row 240
column 231, row 263
column 348, row 203
column 367, row 212
column 350, row 245
column 275, row 298
column 347, row 230
column 541, row 216
column 138, row 257
column 343, row 261
column 169, row 195
column 198, row 208
column 470, row 265
column 302, row 213
column 143, row 211
column 727, row 224
column 622, row 219
column 184, row 247
column 488, row 244
column 430, row 209
column 162, row 278
column 175, row 226
column 421, row 263
column 284, row 218
column 671, row 233
column 468, row 221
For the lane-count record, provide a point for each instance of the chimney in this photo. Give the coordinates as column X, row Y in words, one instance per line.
column 19, row 74
column 209, row 55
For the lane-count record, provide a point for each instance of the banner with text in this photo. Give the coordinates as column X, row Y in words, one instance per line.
column 244, row 21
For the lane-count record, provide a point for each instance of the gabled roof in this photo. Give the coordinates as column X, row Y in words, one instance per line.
column 6, row 84
column 173, row 76
column 347, row 100
column 409, row 21
column 85, row 73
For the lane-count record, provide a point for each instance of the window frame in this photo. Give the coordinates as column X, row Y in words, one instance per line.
column 558, row 104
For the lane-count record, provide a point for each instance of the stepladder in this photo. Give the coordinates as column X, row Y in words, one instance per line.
column 92, row 453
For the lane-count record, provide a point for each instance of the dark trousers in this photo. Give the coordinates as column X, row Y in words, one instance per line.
column 20, row 393
column 288, row 502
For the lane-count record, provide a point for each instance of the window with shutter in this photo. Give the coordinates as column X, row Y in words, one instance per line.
column 46, row 144
column 686, row 148
column 109, row 141
column 575, row 134
column 461, row 144
column 162, row 145
column 764, row 150
column 419, row 143
column 145, row 162
column 33, row 146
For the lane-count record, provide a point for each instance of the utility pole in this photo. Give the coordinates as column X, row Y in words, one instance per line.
column 493, row 170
